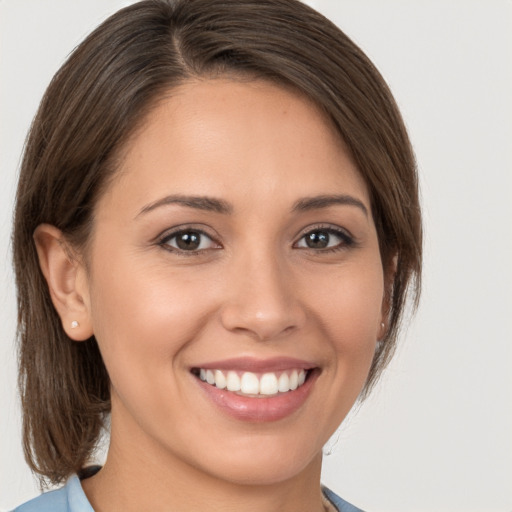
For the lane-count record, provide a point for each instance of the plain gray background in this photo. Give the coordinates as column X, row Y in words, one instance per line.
column 437, row 434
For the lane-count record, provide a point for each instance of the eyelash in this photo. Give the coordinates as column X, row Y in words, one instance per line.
column 347, row 241
column 166, row 238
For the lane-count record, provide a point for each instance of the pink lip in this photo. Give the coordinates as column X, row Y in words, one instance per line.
column 251, row 364
column 259, row 410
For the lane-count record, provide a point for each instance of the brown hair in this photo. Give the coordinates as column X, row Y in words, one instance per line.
column 96, row 101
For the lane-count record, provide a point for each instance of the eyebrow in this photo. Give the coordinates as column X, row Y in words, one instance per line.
column 206, row 203
column 325, row 201
column 213, row 204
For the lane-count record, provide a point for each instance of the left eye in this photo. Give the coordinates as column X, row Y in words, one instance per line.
column 323, row 239
column 189, row 240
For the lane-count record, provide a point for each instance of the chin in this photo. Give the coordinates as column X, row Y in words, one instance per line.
column 262, row 458
column 267, row 469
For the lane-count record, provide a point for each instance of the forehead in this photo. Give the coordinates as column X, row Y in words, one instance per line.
column 221, row 136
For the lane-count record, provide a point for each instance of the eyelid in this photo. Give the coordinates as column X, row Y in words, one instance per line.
column 325, row 226
column 170, row 233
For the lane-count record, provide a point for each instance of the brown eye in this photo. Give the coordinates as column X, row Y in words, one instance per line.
column 317, row 240
column 330, row 239
column 189, row 241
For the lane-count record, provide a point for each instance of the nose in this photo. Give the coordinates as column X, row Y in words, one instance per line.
column 263, row 299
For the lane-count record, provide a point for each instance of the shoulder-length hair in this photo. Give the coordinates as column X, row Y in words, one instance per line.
column 96, row 101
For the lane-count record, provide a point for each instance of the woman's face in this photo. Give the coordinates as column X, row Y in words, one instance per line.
column 235, row 285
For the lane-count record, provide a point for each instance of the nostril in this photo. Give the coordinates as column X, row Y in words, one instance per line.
column 261, row 323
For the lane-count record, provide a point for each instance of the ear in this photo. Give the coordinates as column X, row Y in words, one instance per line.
column 67, row 281
column 389, row 279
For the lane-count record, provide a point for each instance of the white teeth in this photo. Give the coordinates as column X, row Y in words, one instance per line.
column 220, row 380
column 294, row 380
column 250, row 384
column 268, row 384
column 284, row 383
column 233, row 382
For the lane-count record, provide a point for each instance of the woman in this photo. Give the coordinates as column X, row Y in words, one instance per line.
column 216, row 226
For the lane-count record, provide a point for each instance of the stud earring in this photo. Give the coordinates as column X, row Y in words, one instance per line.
column 74, row 324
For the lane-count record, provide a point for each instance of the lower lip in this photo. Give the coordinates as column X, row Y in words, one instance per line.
column 259, row 410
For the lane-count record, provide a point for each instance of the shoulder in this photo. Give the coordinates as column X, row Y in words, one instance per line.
column 340, row 504
column 70, row 498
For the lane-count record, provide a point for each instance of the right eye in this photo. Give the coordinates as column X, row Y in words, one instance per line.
column 189, row 240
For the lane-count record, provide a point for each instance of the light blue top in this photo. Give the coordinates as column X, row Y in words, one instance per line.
column 71, row 498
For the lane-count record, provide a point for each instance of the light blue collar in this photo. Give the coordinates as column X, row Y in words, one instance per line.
column 77, row 500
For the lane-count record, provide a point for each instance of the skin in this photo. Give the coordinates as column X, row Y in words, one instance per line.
column 253, row 289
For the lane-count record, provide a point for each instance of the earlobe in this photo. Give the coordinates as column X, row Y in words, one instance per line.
column 62, row 271
column 382, row 332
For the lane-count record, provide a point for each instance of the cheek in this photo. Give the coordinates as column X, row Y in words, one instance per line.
column 349, row 303
column 348, row 307
column 143, row 317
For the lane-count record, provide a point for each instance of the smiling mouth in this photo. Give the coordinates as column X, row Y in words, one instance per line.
column 254, row 385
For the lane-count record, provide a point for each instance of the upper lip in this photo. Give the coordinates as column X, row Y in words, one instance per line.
column 256, row 365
